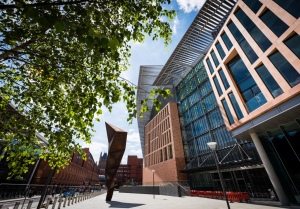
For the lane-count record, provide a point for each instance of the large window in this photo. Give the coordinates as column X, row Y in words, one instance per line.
column 227, row 111
column 249, row 52
column 294, row 44
column 285, row 68
column 262, row 41
column 254, row 5
column 274, row 23
column 220, row 50
column 291, row 6
column 211, row 69
column 214, row 56
column 223, row 78
column 226, row 40
column 247, row 86
column 270, row 82
column 235, row 106
column 217, row 85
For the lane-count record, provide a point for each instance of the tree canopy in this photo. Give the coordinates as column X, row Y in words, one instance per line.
column 60, row 63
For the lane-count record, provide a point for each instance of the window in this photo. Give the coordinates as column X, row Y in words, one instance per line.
column 226, row 40
column 223, row 78
column 285, row 68
column 243, row 43
column 294, row 44
column 220, row 92
column 211, row 69
column 227, row 111
column 220, row 50
column 235, row 106
column 274, row 23
column 269, row 81
column 246, row 84
column 216, row 61
column 170, row 152
column 291, row 6
column 262, row 41
column 254, row 5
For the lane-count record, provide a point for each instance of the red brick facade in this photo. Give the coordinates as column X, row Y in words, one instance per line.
column 78, row 172
column 163, row 147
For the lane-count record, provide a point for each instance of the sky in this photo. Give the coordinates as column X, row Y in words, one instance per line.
column 147, row 53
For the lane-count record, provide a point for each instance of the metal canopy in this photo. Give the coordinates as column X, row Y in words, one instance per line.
column 146, row 77
column 195, row 43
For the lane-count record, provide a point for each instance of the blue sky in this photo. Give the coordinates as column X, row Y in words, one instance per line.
column 147, row 53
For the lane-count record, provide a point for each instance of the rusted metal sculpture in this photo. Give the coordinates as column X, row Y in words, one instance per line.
column 116, row 147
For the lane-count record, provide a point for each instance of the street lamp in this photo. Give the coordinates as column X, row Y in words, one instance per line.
column 153, row 171
column 213, row 146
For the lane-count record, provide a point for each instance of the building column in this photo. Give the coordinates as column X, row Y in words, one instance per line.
column 269, row 168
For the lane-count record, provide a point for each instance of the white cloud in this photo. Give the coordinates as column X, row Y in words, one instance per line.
column 189, row 5
column 95, row 148
column 133, row 137
column 131, row 130
column 137, row 152
column 175, row 25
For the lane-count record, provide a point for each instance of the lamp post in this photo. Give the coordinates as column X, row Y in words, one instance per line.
column 213, row 146
column 153, row 171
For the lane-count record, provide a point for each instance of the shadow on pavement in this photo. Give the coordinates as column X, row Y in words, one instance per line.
column 274, row 204
column 116, row 204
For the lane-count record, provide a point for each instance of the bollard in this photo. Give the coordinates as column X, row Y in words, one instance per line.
column 1, row 206
column 29, row 204
column 75, row 199
column 48, row 202
column 59, row 202
column 65, row 202
column 69, row 200
column 72, row 200
column 17, row 205
column 54, row 203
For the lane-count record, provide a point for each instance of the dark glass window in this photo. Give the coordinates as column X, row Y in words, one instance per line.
column 211, row 69
column 220, row 92
column 274, row 23
column 243, row 43
column 246, row 84
column 270, row 82
column 214, row 56
column 262, row 41
column 291, row 6
column 294, row 44
column 254, row 5
column 224, row 80
column 285, row 68
column 235, row 106
column 227, row 111
column 220, row 50
column 226, row 40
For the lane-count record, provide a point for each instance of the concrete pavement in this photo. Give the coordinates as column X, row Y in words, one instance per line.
column 143, row 201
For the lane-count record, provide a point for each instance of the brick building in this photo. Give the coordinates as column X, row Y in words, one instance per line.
column 163, row 147
column 78, row 172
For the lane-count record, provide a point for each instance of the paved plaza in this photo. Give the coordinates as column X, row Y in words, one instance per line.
column 143, row 201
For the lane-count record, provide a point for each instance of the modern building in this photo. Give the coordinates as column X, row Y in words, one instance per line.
column 102, row 163
column 236, row 79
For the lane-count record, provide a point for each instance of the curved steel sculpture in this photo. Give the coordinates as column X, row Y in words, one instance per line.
column 116, row 147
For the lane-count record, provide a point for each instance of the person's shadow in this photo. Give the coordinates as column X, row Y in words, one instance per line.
column 116, row 204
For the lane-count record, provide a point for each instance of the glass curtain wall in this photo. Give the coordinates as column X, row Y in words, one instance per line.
column 202, row 122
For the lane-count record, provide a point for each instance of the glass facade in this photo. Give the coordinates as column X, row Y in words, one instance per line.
column 254, row 5
column 263, row 42
column 220, row 50
column 291, row 6
column 294, row 44
column 211, row 69
column 251, row 93
column 249, row 52
column 227, row 110
column 235, row 106
column 282, row 146
column 220, row 92
column 226, row 41
column 214, row 56
column 202, row 122
column 285, row 68
column 224, row 80
column 269, row 81
column 274, row 23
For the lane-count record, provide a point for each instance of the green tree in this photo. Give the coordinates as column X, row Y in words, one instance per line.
column 60, row 63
